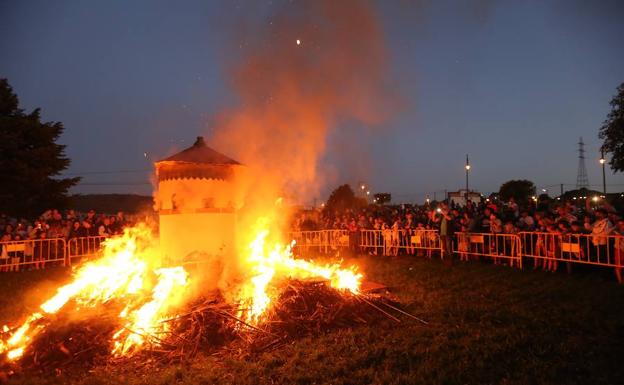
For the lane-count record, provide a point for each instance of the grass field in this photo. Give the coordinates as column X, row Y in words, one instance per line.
column 487, row 325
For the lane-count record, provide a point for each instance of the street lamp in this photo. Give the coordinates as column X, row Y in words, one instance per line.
column 467, row 169
column 604, row 180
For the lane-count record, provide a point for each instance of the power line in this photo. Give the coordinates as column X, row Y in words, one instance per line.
column 116, row 184
column 105, row 172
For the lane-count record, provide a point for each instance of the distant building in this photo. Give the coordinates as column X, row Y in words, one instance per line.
column 459, row 197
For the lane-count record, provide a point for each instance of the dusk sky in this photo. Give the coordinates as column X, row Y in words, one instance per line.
column 512, row 83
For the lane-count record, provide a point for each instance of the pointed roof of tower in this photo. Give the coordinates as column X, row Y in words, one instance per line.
column 200, row 153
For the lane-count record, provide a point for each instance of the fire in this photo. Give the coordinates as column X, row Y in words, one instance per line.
column 277, row 261
column 145, row 320
column 129, row 273
column 123, row 272
column 15, row 345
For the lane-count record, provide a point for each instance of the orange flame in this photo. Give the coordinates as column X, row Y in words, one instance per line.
column 145, row 321
column 268, row 262
column 129, row 271
column 121, row 273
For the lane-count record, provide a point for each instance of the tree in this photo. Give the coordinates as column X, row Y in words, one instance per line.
column 342, row 198
column 30, row 159
column 612, row 131
column 520, row 190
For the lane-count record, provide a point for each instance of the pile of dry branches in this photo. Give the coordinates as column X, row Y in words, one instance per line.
column 302, row 308
column 67, row 339
column 209, row 325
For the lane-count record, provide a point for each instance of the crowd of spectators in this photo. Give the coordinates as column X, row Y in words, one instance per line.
column 397, row 223
column 488, row 216
column 67, row 225
column 46, row 231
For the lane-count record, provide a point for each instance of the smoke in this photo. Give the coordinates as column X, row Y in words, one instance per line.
column 308, row 68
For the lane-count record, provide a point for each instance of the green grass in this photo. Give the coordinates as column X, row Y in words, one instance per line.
column 487, row 325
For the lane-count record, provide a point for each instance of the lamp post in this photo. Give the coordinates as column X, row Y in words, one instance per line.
column 467, row 170
column 604, row 180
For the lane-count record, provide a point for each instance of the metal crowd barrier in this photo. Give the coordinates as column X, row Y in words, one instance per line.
column 338, row 239
column 589, row 249
column 32, row 253
column 496, row 246
column 322, row 241
column 393, row 242
column 83, row 247
column 375, row 241
column 542, row 248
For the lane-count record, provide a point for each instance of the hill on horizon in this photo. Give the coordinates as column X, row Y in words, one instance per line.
column 111, row 203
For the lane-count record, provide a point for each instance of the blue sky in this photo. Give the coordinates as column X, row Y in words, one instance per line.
column 514, row 84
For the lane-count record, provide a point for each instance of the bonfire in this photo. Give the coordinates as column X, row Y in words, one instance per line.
column 124, row 304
